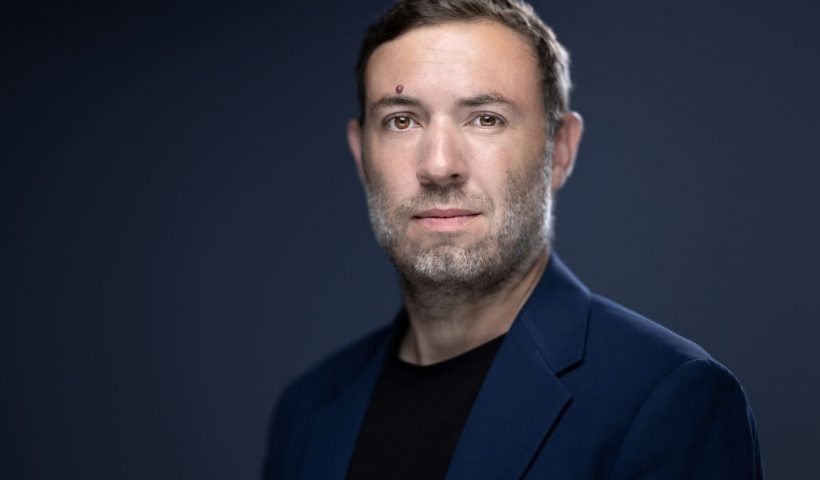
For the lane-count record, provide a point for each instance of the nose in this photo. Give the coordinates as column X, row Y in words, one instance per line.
column 441, row 161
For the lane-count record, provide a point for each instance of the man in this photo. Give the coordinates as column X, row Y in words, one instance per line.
column 501, row 365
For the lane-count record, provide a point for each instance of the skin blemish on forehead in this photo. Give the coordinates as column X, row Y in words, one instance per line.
column 399, row 88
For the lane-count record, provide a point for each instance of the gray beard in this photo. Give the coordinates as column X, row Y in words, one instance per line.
column 443, row 272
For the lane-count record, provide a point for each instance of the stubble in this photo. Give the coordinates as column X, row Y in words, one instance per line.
column 443, row 269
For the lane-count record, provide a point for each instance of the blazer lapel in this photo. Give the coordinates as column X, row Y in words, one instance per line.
column 522, row 397
column 335, row 427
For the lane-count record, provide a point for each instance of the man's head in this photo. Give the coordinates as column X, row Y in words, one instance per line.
column 464, row 135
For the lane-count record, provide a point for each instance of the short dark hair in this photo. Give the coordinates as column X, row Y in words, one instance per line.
column 518, row 15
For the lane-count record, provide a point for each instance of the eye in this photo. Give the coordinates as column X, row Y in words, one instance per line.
column 400, row 122
column 488, row 120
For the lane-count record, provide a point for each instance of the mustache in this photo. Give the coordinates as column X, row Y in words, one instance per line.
column 450, row 197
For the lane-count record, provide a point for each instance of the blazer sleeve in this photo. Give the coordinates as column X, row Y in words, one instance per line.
column 696, row 423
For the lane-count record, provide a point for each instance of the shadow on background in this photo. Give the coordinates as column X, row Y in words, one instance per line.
column 184, row 230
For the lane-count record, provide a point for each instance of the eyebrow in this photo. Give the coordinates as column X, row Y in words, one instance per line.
column 394, row 100
column 491, row 98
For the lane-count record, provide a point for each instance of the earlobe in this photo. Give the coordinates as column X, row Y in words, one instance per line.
column 354, row 142
column 565, row 148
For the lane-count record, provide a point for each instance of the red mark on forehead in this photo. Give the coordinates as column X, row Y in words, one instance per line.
column 399, row 88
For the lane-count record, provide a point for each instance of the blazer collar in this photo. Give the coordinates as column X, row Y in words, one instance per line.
column 520, row 400
column 555, row 316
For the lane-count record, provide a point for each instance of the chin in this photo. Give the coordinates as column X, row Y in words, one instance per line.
column 450, row 264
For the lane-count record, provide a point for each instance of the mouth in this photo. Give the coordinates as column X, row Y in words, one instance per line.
column 445, row 219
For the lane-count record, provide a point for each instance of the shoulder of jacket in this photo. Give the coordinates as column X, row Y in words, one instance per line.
column 622, row 326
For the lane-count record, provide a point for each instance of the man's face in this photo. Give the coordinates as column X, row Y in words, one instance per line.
column 454, row 155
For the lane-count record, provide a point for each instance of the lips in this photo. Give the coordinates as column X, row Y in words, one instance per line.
column 445, row 219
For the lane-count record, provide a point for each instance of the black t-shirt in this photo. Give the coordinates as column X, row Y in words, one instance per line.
column 416, row 415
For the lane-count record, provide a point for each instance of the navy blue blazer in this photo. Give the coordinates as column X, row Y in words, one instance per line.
column 581, row 388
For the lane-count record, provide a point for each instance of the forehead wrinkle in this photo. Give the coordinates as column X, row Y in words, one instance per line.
column 437, row 52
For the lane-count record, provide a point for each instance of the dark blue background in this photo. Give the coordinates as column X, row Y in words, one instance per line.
column 183, row 229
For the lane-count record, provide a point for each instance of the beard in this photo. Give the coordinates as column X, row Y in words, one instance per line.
column 446, row 266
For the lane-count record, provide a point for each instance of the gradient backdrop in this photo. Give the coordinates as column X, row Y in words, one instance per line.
column 183, row 229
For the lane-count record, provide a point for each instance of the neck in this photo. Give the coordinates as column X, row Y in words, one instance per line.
column 445, row 325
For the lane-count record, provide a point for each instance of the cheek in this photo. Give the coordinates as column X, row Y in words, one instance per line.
column 491, row 168
column 390, row 184
column 391, row 172
column 511, row 182
column 382, row 190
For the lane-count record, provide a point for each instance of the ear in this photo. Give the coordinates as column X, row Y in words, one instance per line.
column 565, row 147
column 354, row 142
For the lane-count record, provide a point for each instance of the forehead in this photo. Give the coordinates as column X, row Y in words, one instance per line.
column 457, row 58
